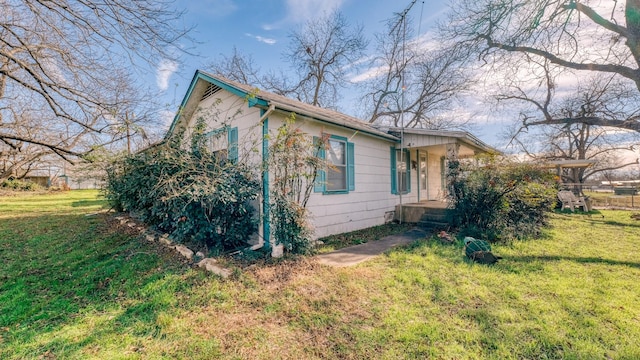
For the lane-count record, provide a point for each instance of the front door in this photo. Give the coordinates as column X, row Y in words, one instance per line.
column 422, row 176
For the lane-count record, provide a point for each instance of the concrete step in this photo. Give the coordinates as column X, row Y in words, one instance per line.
column 433, row 225
column 436, row 211
column 438, row 215
column 434, row 217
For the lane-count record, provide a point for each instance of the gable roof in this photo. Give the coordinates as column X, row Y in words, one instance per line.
column 266, row 99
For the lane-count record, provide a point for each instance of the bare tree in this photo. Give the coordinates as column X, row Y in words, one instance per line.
column 583, row 36
column 592, row 97
column 416, row 83
column 65, row 67
column 242, row 68
column 319, row 53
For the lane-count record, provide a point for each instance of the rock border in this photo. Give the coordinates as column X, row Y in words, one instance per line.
column 196, row 258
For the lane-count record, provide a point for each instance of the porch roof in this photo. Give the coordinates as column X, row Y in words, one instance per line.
column 425, row 137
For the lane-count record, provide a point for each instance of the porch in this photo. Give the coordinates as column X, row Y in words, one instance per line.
column 428, row 214
column 423, row 156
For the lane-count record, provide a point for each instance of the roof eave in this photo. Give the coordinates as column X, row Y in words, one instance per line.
column 463, row 136
column 363, row 129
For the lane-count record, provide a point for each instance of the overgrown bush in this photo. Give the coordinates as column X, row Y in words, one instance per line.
column 498, row 200
column 191, row 194
column 293, row 161
column 290, row 225
column 19, row 185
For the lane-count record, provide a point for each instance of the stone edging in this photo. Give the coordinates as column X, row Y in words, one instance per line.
column 197, row 258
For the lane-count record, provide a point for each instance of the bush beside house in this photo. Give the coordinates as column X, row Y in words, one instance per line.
column 498, row 200
column 192, row 195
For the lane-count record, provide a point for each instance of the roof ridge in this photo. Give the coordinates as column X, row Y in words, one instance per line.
column 284, row 100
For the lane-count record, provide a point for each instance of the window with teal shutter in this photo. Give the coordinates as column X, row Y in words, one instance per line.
column 223, row 143
column 338, row 176
column 232, row 136
column 351, row 166
column 320, row 174
column 400, row 171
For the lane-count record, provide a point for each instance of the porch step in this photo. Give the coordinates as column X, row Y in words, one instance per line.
column 433, row 225
column 434, row 219
column 440, row 215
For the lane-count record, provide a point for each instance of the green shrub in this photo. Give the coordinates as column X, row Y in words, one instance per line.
column 193, row 195
column 19, row 185
column 498, row 200
column 290, row 226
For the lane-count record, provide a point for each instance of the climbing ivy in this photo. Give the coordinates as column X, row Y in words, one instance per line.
column 294, row 163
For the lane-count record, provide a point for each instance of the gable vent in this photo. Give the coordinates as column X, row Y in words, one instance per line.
column 211, row 89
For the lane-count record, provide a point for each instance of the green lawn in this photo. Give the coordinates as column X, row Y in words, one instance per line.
column 72, row 287
column 607, row 199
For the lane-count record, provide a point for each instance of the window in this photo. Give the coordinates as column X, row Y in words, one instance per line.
column 336, row 166
column 338, row 175
column 400, row 171
column 223, row 143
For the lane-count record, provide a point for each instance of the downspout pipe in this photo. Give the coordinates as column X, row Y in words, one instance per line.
column 266, row 228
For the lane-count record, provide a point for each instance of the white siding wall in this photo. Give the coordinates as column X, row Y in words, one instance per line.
column 331, row 213
column 372, row 198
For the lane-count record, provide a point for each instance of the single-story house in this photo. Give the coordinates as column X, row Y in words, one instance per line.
column 373, row 169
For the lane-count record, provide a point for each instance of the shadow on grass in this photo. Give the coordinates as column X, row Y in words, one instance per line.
column 86, row 203
column 583, row 260
column 617, row 223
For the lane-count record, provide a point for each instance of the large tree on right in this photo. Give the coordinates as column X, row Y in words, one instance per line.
column 571, row 36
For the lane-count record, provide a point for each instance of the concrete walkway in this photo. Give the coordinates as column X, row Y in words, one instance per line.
column 356, row 254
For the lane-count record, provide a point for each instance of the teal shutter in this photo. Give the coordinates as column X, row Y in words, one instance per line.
column 232, row 136
column 408, row 158
column 394, row 176
column 443, row 179
column 319, row 185
column 351, row 168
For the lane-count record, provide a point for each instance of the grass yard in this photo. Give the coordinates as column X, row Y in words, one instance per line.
column 616, row 201
column 71, row 287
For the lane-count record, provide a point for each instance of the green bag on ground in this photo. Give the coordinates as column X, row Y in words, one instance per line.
column 471, row 245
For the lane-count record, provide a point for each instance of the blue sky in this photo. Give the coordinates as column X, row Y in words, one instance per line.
column 261, row 28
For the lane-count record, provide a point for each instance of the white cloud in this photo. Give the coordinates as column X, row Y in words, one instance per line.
column 299, row 11
column 166, row 118
column 268, row 41
column 370, row 73
column 164, row 70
